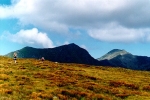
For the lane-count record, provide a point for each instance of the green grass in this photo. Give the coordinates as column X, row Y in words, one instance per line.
column 29, row 79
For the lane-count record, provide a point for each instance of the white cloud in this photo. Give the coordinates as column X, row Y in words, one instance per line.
column 69, row 13
column 30, row 37
column 121, row 34
column 93, row 16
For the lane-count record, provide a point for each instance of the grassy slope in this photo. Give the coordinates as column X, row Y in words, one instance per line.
column 30, row 79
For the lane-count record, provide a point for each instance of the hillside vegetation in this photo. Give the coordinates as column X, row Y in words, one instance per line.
column 30, row 79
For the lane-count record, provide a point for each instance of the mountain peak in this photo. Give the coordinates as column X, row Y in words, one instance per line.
column 27, row 47
column 114, row 53
column 118, row 51
column 72, row 44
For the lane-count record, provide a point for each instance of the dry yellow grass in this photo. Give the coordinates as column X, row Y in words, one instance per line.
column 29, row 79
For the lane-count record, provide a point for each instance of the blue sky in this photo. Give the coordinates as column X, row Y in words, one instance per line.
column 95, row 25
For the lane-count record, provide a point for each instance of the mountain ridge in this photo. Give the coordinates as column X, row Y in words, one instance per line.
column 72, row 53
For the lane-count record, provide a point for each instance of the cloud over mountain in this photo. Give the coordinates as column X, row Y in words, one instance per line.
column 30, row 37
column 121, row 34
column 96, row 17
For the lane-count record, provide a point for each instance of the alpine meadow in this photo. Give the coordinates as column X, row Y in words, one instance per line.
column 31, row 79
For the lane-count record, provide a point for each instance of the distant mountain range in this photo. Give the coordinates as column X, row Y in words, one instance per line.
column 72, row 53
